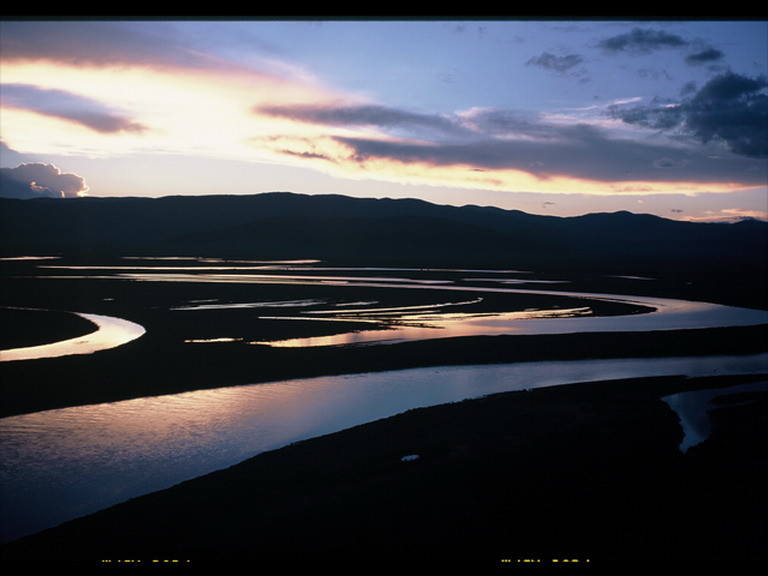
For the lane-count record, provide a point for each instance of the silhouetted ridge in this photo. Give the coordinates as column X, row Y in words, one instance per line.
column 289, row 225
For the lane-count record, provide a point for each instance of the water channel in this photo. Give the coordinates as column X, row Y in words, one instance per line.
column 57, row 465
column 61, row 464
column 110, row 332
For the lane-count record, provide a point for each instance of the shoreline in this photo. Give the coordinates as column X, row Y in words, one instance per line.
column 589, row 471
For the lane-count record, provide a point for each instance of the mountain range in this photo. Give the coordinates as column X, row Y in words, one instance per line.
column 343, row 229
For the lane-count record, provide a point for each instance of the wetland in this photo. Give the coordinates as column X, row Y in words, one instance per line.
column 308, row 410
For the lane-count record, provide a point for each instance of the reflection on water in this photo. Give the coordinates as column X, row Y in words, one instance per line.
column 661, row 313
column 693, row 409
column 212, row 340
column 664, row 314
column 60, row 464
column 193, row 274
column 249, row 305
column 425, row 326
column 110, row 332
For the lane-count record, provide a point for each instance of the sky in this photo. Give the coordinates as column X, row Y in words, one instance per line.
column 560, row 117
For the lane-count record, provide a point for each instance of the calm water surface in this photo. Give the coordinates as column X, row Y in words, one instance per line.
column 61, row 464
column 110, row 333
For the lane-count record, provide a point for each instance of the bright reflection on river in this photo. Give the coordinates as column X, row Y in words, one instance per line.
column 663, row 314
column 110, row 332
column 427, row 326
column 693, row 408
column 60, row 464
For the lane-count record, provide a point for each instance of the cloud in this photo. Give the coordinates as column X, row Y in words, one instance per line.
column 642, row 41
column 139, row 89
column 367, row 115
column 496, row 141
column 67, row 106
column 35, row 180
column 745, row 214
column 730, row 108
column 705, row 56
column 254, row 106
column 729, row 215
column 95, row 44
column 580, row 152
column 556, row 63
column 156, row 47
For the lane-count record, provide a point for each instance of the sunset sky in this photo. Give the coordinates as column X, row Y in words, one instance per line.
column 549, row 117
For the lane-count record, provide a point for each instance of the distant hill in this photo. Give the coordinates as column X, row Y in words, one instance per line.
column 284, row 225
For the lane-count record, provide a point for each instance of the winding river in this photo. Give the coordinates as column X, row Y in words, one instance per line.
column 61, row 464
column 110, row 332
column 663, row 314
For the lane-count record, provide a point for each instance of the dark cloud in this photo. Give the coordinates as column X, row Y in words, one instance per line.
column 580, row 152
column 730, row 108
column 556, row 63
column 36, row 180
column 642, row 41
column 570, row 65
column 495, row 139
column 68, row 106
column 706, row 56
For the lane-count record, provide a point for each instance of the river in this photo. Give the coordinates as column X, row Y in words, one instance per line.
column 57, row 465
column 61, row 464
column 110, row 332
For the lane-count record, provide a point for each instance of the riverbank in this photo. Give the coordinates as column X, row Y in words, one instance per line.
column 588, row 472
